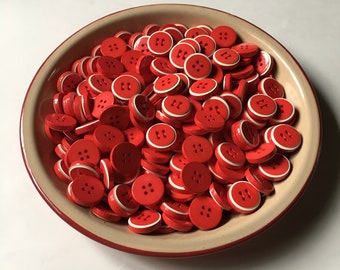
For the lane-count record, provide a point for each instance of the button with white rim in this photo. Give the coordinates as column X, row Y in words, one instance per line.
column 161, row 66
column 83, row 150
column 218, row 105
column 160, row 43
column 285, row 112
column 243, row 197
column 275, row 169
column 109, row 66
column 80, row 168
column 60, row 122
column 179, row 53
column 226, row 58
column 121, row 201
column 230, row 155
column 219, row 194
column 262, row 153
column 207, row 44
column 145, row 222
column 235, row 104
column 161, row 137
column 177, row 106
column 104, row 212
column 99, row 83
column 174, row 209
column 286, row 137
column 107, row 173
column 246, row 49
column 68, row 81
column 245, row 135
column 141, row 108
column 209, row 120
column 167, row 84
column 203, row 88
column 204, row 212
column 261, row 107
column 262, row 185
column 264, row 63
column 125, row 86
column 197, row 66
column 271, row 87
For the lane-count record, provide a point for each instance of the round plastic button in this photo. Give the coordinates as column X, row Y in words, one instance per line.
column 145, row 221
column 60, row 122
column 177, row 106
column 271, row 87
column 261, row 107
column 276, row 169
column 147, row 189
column 125, row 159
column 106, row 137
column 204, row 213
column 161, row 137
column 86, row 190
column 83, row 150
column 230, row 155
column 243, row 197
column 226, row 58
column 160, row 43
column 197, row 66
column 113, row 46
column 196, row 177
column 286, row 137
column 197, row 148
column 121, row 201
column 125, row 86
column 179, row 53
column 224, row 35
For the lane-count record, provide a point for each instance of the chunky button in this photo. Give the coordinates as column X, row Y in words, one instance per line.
column 197, row 66
column 196, row 177
column 179, row 54
column 224, row 35
column 243, row 197
column 145, row 221
column 204, row 213
column 197, row 148
column 285, row 137
column 160, row 42
column 276, row 169
column 161, row 137
column 147, row 189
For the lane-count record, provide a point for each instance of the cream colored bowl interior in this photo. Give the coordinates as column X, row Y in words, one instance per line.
column 39, row 155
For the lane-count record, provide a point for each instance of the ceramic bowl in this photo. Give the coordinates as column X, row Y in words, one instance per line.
column 39, row 157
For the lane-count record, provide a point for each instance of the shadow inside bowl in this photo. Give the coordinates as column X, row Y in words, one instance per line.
column 290, row 232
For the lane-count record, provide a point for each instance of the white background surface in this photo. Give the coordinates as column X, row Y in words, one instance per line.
column 32, row 236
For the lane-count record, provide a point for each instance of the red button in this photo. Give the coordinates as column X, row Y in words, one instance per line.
column 81, row 168
column 102, row 101
column 286, row 137
column 177, row 162
column 106, row 137
column 104, row 212
column 167, row 84
column 196, row 177
column 107, row 173
column 246, row 49
column 86, row 190
column 203, row 89
column 99, row 83
column 125, row 86
column 207, row 44
column 285, row 112
column 129, row 59
column 113, row 46
column 209, row 120
column 135, row 136
column 115, row 115
column 60, row 122
column 224, row 35
column 226, row 58
column 204, row 213
column 176, row 106
column 177, row 224
column 276, row 169
column 259, row 183
column 141, row 44
column 245, row 135
column 160, row 43
column 261, row 107
column 271, row 87
column 243, row 197
column 261, row 154
column 145, row 221
column 175, row 33
column 109, row 66
column 175, row 210
column 121, row 201
column 143, row 67
column 161, row 137
column 125, row 159
column 230, row 155
column 147, row 189
column 217, row 105
column 264, row 64
column 156, row 156
column 83, row 150
column 219, row 194
column 195, row 31
column 197, row 66
column 162, row 66
column 68, row 82
column 197, row 148
column 179, row 53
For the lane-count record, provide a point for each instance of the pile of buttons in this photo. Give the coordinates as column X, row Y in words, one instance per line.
column 172, row 128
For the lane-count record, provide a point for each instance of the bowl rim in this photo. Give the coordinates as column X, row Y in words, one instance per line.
column 106, row 242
